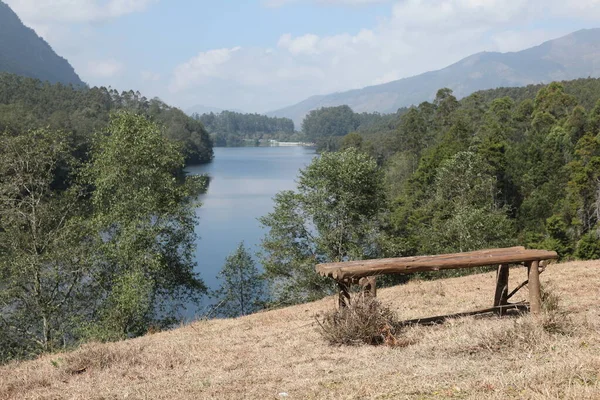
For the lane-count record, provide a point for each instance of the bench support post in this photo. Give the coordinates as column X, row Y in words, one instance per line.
column 501, row 295
column 343, row 294
column 369, row 285
column 535, row 298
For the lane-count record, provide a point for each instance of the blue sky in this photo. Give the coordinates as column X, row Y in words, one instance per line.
column 262, row 55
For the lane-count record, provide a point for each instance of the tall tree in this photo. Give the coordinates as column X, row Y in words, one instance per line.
column 465, row 210
column 45, row 250
column 144, row 211
column 333, row 216
column 242, row 290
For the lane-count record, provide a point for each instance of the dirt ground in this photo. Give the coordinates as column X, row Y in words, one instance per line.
column 280, row 354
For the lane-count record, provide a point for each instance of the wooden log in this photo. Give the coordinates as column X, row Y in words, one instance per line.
column 369, row 285
column 441, row 318
column 343, row 294
column 501, row 295
column 535, row 298
column 356, row 269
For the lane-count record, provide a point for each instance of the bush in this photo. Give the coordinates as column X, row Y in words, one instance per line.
column 364, row 320
column 588, row 248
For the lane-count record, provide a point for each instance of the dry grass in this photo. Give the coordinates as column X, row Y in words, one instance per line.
column 265, row 355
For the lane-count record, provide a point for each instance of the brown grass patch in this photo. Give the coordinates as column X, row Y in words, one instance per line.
column 260, row 356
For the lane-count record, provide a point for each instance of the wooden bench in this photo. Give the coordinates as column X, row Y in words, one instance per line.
column 364, row 273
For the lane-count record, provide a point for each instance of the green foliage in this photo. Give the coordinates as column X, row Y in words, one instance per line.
column 45, row 255
column 101, row 249
column 242, row 290
column 329, row 121
column 145, row 214
column 229, row 128
column 28, row 104
column 127, row 310
column 464, row 209
column 333, row 216
column 511, row 165
column 588, row 247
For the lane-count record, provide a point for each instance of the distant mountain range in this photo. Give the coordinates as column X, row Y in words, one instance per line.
column 23, row 52
column 576, row 55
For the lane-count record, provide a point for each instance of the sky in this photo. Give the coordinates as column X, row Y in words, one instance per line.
column 262, row 55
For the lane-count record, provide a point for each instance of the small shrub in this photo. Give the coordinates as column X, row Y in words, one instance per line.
column 588, row 247
column 364, row 320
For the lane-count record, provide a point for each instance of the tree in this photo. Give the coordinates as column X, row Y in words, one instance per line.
column 242, row 290
column 465, row 211
column 143, row 210
column 333, row 216
column 329, row 121
column 101, row 250
column 45, row 249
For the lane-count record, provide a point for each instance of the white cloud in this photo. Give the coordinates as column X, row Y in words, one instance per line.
column 305, row 44
column 34, row 12
column 281, row 3
column 200, row 68
column 104, row 68
column 150, row 76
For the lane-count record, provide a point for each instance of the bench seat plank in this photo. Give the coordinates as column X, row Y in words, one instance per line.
column 352, row 270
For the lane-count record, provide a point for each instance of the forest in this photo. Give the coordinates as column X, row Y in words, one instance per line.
column 509, row 166
column 27, row 103
column 232, row 129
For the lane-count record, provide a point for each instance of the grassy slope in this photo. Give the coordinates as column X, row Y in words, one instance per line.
column 263, row 355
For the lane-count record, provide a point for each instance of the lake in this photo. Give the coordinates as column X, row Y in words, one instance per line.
column 243, row 182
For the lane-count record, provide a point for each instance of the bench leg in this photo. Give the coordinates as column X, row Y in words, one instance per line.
column 535, row 297
column 501, row 295
column 343, row 294
column 369, row 285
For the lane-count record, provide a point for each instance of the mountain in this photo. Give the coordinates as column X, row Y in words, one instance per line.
column 23, row 52
column 576, row 55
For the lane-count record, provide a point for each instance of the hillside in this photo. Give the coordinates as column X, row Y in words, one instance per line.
column 279, row 354
column 27, row 103
column 23, row 52
column 576, row 55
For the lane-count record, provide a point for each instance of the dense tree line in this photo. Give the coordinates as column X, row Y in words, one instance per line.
column 482, row 173
column 327, row 125
column 229, row 128
column 94, row 249
column 27, row 103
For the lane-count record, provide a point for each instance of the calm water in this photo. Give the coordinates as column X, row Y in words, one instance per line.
column 243, row 183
